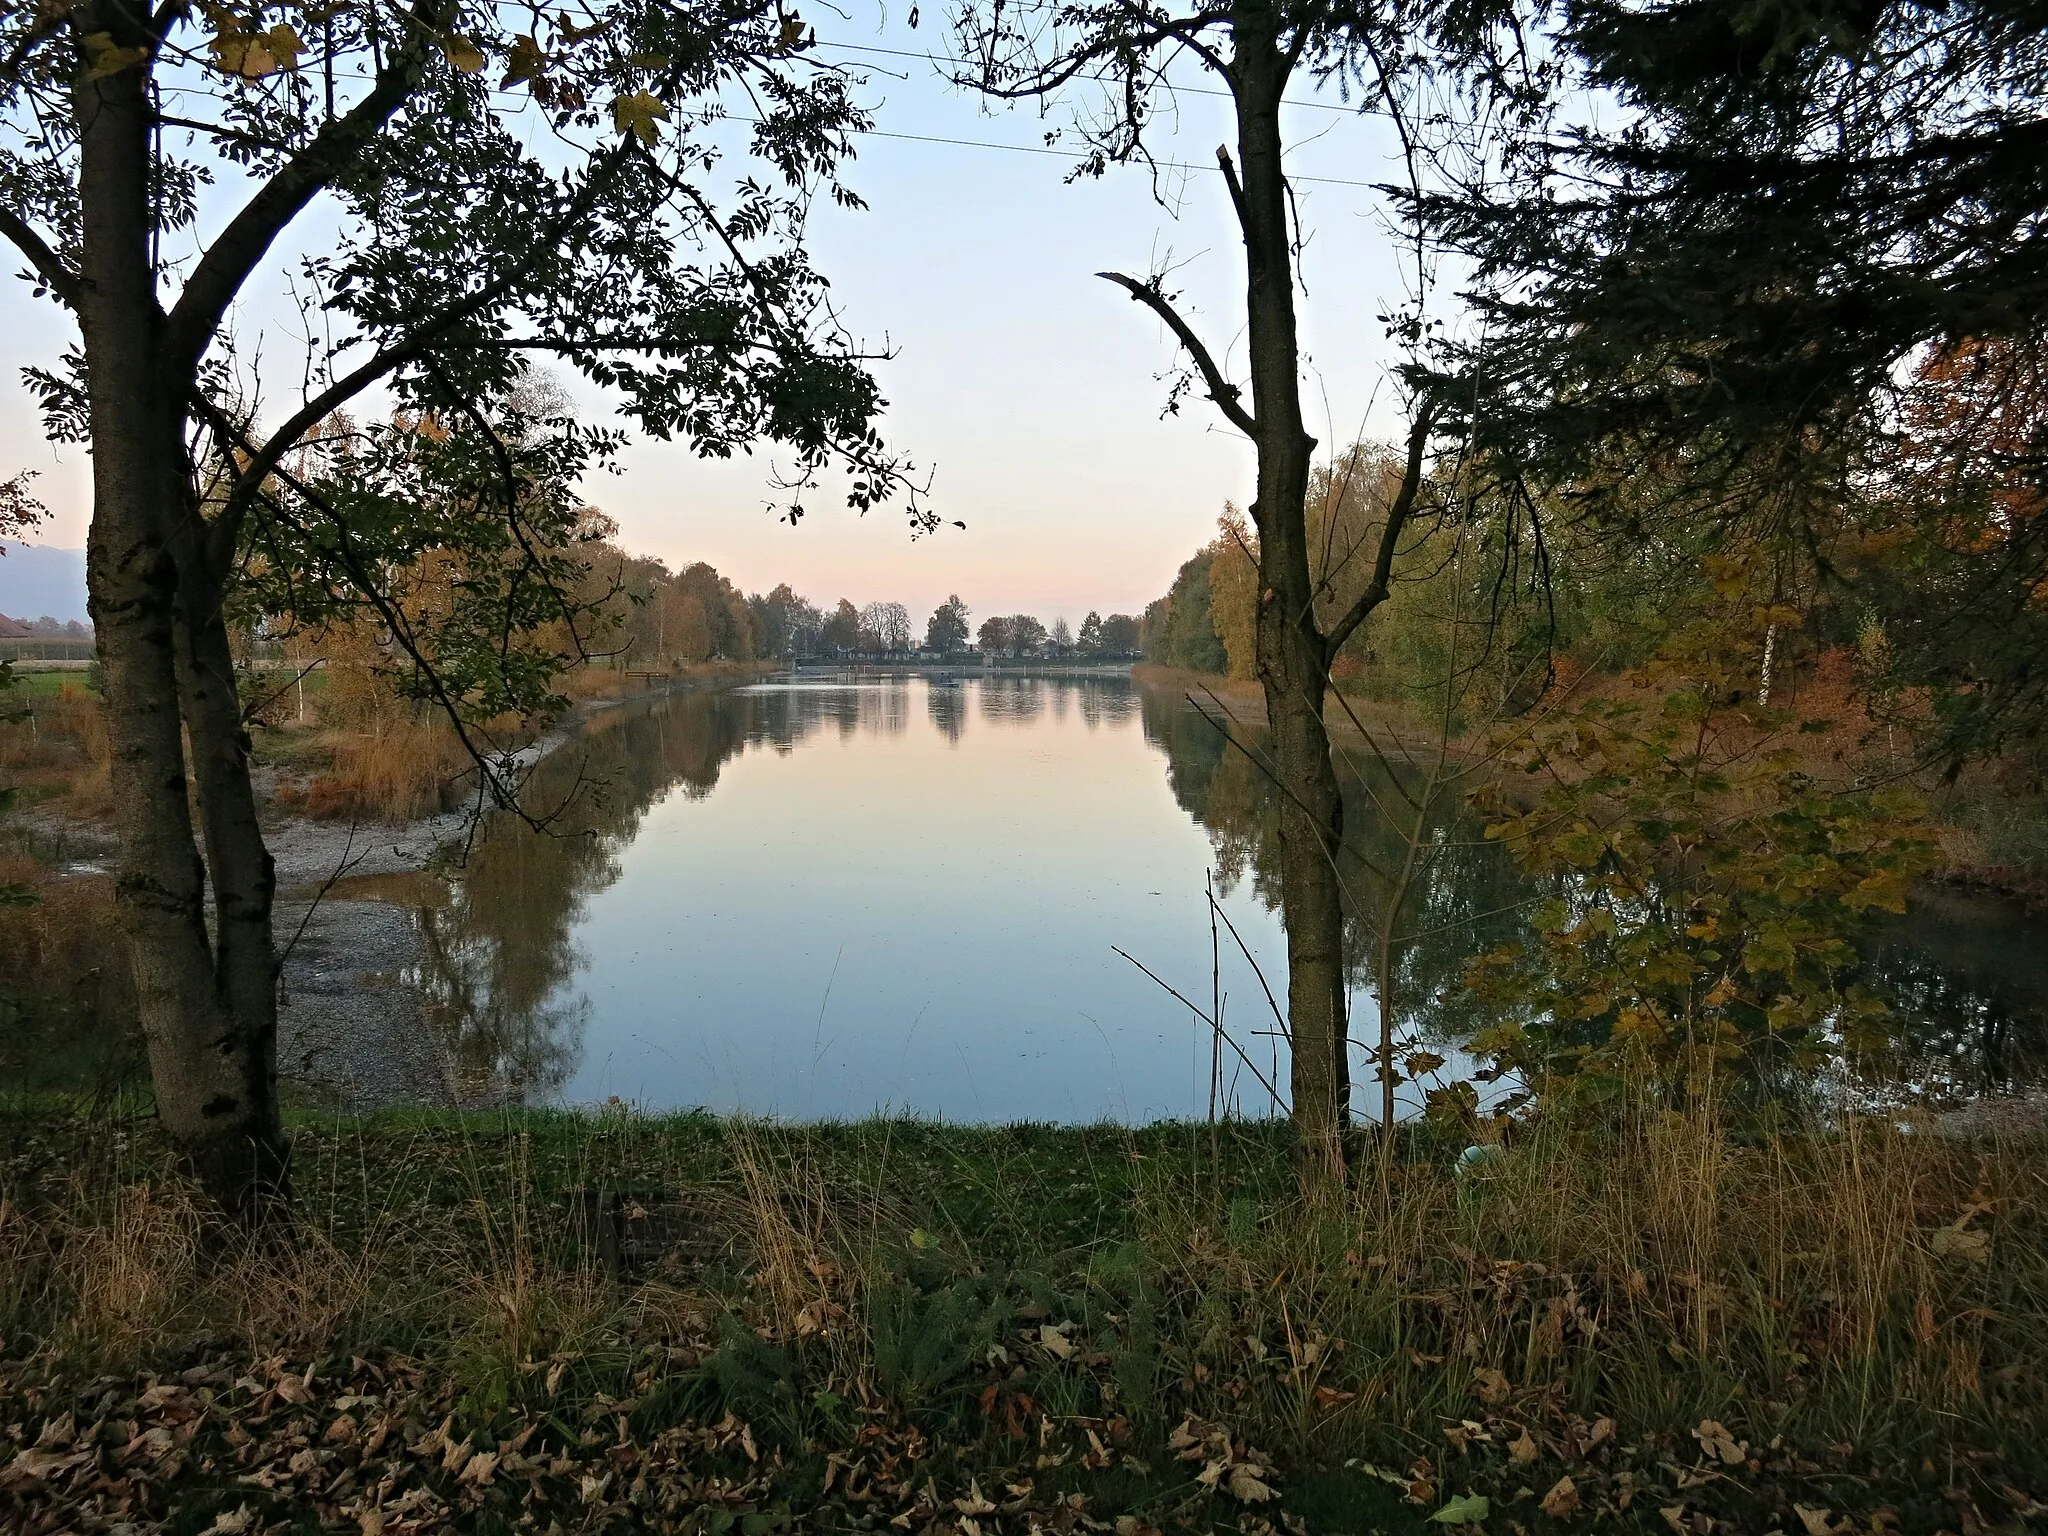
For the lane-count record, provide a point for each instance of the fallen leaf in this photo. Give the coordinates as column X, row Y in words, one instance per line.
column 1949, row 1243
column 1523, row 1448
column 1815, row 1520
column 1715, row 1440
column 1246, row 1486
column 974, row 1503
column 1055, row 1341
column 1603, row 1430
column 480, row 1468
column 231, row 1523
column 1562, row 1500
column 1466, row 1509
column 1491, row 1385
column 39, row 1466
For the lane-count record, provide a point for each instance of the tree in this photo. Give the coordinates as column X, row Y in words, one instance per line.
column 841, row 633
column 787, row 624
column 1120, row 635
column 1256, row 50
column 885, row 627
column 1180, row 628
column 1027, row 635
column 1061, row 638
column 946, row 631
column 1713, row 306
column 456, row 253
column 995, row 636
column 1089, row 641
column 1233, row 590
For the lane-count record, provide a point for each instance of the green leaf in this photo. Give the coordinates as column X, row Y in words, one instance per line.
column 1466, row 1509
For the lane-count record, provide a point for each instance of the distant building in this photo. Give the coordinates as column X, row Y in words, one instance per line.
column 14, row 629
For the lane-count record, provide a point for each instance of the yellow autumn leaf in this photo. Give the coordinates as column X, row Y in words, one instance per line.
column 525, row 62
column 465, row 56
column 284, row 45
column 638, row 113
column 247, row 55
column 108, row 58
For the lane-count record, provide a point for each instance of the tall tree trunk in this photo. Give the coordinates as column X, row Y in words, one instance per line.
column 211, row 1040
column 1292, row 659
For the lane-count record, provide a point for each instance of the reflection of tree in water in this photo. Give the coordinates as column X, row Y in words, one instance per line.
column 1453, row 905
column 496, row 954
column 946, row 705
column 1970, row 975
column 1012, row 700
column 1967, row 980
column 498, row 963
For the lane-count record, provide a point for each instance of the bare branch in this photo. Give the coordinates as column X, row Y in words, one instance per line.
column 1398, row 513
column 1221, row 390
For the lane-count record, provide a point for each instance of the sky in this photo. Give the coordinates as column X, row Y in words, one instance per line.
column 1031, row 389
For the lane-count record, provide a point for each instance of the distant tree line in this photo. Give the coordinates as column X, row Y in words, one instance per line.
column 652, row 616
column 45, row 628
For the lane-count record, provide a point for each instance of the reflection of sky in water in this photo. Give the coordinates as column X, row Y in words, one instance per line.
column 915, row 911
column 831, row 898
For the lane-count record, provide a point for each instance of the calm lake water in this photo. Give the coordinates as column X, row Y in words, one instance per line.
column 819, row 897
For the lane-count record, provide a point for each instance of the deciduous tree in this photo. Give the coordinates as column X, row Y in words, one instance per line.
column 1255, row 50
column 946, row 631
column 498, row 184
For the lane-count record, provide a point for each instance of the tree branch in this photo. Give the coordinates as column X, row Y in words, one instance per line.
column 231, row 258
column 1398, row 513
column 1221, row 390
column 62, row 281
column 346, row 388
column 1229, row 169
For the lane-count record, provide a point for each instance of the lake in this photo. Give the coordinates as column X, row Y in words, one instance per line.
column 833, row 896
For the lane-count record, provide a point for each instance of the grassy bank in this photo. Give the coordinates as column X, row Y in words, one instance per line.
column 958, row 1331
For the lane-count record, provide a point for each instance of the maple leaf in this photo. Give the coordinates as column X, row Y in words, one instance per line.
column 638, row 113
column 525, row 62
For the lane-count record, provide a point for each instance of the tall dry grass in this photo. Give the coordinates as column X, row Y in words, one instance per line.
column 399, row 771
column 1856, row 1291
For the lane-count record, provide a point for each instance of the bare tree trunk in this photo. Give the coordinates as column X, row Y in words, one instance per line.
column 1293, row 662
column 211, row 1043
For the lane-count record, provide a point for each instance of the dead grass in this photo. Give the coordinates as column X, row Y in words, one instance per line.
column 396, row 773
column 1863, row 1286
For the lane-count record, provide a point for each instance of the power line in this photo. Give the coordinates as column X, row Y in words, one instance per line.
column 1066, row 154
column 1191, row 90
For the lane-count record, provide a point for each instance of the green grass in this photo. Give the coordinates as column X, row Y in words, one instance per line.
column 1149, row 1321
column 47, row 685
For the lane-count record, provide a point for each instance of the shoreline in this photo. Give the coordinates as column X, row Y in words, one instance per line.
column 352, row 1031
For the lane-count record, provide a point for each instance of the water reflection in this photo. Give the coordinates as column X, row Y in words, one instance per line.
column 901, row 902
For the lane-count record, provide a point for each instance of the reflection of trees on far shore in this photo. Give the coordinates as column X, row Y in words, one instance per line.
column 496, row 955
column 498, row 961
